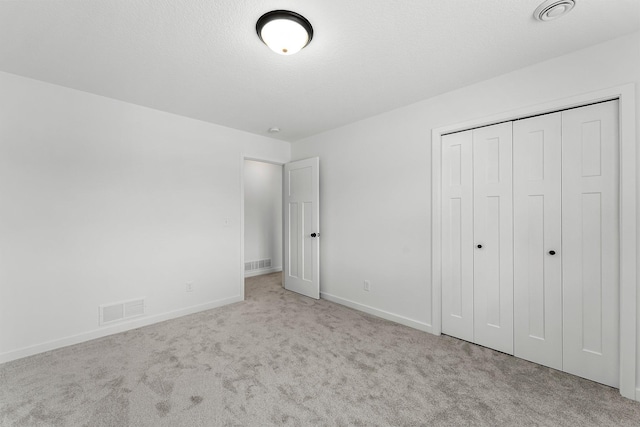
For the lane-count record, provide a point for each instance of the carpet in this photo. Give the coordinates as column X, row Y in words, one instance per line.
column 279, row 358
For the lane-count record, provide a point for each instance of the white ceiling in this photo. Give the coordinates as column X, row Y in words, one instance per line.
column 203, row 59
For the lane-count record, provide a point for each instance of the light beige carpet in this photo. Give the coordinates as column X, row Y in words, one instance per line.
column 282, row 359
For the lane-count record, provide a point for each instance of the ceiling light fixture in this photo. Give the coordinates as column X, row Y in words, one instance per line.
column 285, row 32
column 553, row 9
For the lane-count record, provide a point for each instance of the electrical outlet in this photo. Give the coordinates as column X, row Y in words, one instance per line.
column 189, row 287
column 367, row 285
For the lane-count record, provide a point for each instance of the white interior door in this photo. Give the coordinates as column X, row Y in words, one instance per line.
column 590, row 223
column 457, row 235
column 537, row 252
column 302, row 227
column 493, row 233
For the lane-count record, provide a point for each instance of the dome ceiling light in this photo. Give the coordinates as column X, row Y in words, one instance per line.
column 285, row 32
column 553, row 9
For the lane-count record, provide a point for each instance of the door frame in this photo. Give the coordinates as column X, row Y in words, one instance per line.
column 625, row 94
column 243, row 157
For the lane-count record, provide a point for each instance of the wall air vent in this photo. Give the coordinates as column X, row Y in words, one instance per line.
column 133, row 308
column 111, row 313
column 257, row 265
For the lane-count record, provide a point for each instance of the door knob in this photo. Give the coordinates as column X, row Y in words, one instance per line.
column 479, row 246
column 315, row 234
column 552, row 252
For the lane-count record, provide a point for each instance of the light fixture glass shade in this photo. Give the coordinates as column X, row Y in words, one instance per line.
column 284, row 32
column 284, row 37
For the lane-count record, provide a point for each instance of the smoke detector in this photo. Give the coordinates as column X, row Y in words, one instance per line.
column 553, row 9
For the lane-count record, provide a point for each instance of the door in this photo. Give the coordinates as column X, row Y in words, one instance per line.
column 302, row 227
column 590, row 174
column 457, row 235
column 537, row 251
column 493, row 234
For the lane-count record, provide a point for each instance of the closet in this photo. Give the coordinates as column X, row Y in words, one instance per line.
column 530, row 239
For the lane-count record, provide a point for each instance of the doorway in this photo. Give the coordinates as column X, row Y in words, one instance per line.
column 280, row 220
column 262, row 249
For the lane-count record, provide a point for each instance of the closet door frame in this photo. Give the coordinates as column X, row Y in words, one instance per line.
column 627, row 268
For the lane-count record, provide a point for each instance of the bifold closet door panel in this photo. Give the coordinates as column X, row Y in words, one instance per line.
column 590, row 234
column 457, row 235
column 493, row 237
column 537, row 251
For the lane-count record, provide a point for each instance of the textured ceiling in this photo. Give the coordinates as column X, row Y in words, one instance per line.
column 203, row 59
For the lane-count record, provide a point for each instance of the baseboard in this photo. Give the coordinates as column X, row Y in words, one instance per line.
column 113, row 329
column 378, row 313
column 262, row 271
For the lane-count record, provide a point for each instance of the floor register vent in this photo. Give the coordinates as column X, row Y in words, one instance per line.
column 112, row 313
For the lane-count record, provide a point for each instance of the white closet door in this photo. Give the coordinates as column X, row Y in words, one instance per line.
column 537, row 252
column 457, row 235
column 493, row 234
column 590, row 239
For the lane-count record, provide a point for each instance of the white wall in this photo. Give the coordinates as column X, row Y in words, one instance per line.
column 263, row 213
column 103, row 201
column 375, row 176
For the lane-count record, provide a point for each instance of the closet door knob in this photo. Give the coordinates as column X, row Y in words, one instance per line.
column 479, row 246
column 552, row 252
